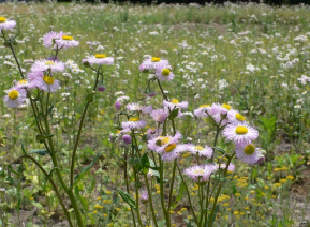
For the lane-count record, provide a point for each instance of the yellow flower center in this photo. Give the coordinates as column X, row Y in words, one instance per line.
column 100, row 56
column 199, row 148
column 204, row 106
column 240, row 117
column 2, row 19
column 175, row 101
column 249, row 149
column 155, row 59
column 67, row 37
column 199, row 171
column 165, row 72
column 170, row 147
column 13, row 94
column 227, row 107
column 49, row 63
column 23, row 81
column 241, row 130
column 49, row 79
column 134, row 119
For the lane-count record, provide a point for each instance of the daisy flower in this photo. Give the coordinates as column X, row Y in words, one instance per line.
column 240, row 133
column 201, row 111
column 6, row 24
column 45, row 83
column 235, row 117
column 44, row 65
column 231, row 168
column 153, row 63
column 15, row 97
column 134, row 123
column 202, row 151
column 65, row 42
column 137, row 107
column 172, row 151
column 248, row 153
column 175, row 103
column 22, row 83
column 164, row 74
column 216, row 112
column 159, row 143
column 202, row 172
column 99, row 59
column 50, row 37
column 160, row 115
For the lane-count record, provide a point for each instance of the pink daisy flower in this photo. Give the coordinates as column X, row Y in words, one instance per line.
column 240, row 133
column 153, row 63
column 45, row 83
column 144, row 196
column 175, row 103
column 134, row 123
column 65, row 42
column 44, row 65
column 159, row 143
column 172, row 151
column 201, row 111
column 235, row 118
column 202, row 151
column 202, row 172
column 137, row 107
column 160, row 115
column 164, row 74
column 248, row 153
column 230, row 168
column 15, row 97
column 216, row 112
column 6, row 24
column 99, row 59
column 50, row 37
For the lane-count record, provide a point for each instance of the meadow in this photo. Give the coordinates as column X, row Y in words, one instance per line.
column 254, row 58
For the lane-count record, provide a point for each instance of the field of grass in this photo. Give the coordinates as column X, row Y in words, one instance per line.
column 253, row 57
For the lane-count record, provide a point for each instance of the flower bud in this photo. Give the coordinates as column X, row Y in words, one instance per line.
column 126, row 139
column 101, row 88
column 112, row 138
column 118, row 105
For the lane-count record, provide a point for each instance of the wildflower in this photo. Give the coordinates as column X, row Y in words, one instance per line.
column 23, row 83
column 172, row 151
column 118, row 105
column 235, row 117
column 231, row 168
column 126, row 139
column 134, row 123
column 44, row 82
column 153, row 63
column 144, row 196
column 136, row 106
column 247, row 153
column 50, row 37
column 175, row 103
column 99, row 59
column 15, row 97
column 240, row 133
column 201, row 111
column 45, row 65
column 202, row 151
column 160, row 115
column 164, row 74
column 202, row 172
column 65, row 42
column 159, row 143
column 6, row 24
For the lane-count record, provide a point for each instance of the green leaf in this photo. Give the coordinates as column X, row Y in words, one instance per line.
column 78, row 177
column 38, row 151
column 2, row 153
column 220, row 150
column 127, row 199
column 173, row 114
column 89, row 97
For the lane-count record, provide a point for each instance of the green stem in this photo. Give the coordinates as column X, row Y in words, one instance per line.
column 161, row 174
column 54, row 186
column 150, row 200
column 171, row 189
column 188, row 194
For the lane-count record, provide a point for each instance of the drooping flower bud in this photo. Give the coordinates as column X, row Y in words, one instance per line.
column 126, row 139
